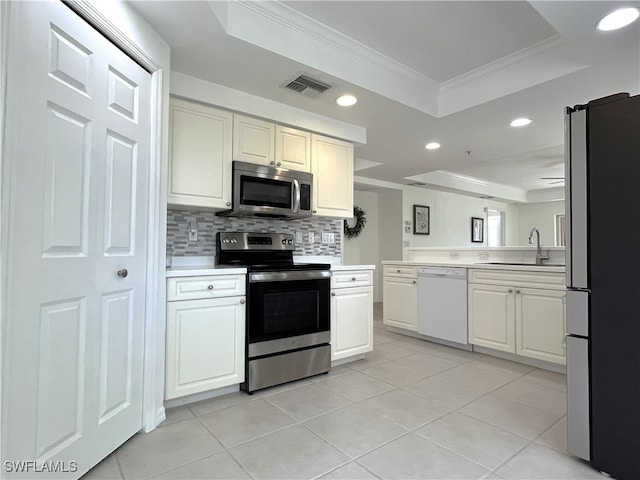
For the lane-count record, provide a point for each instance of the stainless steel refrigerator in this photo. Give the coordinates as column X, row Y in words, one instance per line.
column 602, row 155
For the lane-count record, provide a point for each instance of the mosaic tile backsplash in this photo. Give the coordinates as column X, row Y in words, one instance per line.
column 208, row 225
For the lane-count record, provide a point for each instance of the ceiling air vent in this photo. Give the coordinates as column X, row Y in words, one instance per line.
column 307, row 86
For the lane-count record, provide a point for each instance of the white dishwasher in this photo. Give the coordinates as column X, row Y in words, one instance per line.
column 442, row 303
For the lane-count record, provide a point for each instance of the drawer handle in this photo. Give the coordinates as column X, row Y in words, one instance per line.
column 353, row 279
column 243, row 301
column 210, row 287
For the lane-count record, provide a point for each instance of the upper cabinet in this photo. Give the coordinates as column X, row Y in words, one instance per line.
column 253, row 140
column 205, row 140
column 293, row 149
column 199, row 155
column 332, row 168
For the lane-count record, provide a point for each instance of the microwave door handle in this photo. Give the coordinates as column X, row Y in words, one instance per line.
column 296, row 194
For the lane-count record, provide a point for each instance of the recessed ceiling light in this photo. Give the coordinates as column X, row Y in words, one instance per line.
column 618, row 19
column 346, row 100
column 521, row 122
column 432, row 146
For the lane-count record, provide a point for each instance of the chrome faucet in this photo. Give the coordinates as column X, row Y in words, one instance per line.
column 539, row 256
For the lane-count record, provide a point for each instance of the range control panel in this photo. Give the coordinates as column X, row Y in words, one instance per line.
column 255, row 241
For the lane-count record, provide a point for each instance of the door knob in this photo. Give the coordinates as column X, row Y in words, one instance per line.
column 123, row 273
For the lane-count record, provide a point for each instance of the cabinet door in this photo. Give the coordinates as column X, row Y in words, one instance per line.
column 540, row 324
column 253, row 140
column 205, row 345
column 400, row 303
column 351, row 321
column 492, row 317
column 199, row 155
column 332, row 168
column 293, row 149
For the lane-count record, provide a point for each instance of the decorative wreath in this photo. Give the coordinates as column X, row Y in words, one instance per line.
column 361, row 220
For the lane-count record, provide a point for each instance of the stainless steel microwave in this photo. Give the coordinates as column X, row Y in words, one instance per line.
column 262, row 191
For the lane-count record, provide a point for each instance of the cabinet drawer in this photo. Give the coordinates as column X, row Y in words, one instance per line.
column 551, row 280
column 408, row 271
column 352, row 278
column 214, row 286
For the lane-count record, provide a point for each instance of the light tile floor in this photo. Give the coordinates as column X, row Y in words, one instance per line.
column 411, row 409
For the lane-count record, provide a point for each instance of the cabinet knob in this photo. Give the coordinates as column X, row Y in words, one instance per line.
column 510, row 290
column 517, row 290
column 353, row 279
column 272, row 163
column 210, row 287
column 243, row 301
column 315, row 211
column 123, row 273
column 333, row 294
column 398, row 270
column 228, row 204
column 414, row 281
column 278, row 164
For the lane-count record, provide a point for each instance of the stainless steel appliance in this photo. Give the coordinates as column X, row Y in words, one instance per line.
column 442, row 304
column 263, row 191
column 603, row 291
column 288, row 309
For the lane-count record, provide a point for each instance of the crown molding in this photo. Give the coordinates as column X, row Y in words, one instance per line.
column 276, row 27
column 283, row 30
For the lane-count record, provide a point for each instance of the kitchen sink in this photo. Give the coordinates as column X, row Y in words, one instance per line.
column 523, row 264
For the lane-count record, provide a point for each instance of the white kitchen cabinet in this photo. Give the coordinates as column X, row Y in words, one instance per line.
column 253, row 140
column 540, row 324
column 205, row 334
column 508, row 312
column 199, row 155
column 492, row 317
column 293, row 149
column 351, row 314
column 332, row 168
column 400, row 297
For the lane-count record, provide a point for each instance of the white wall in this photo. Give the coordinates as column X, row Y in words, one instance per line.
column 364, row 249
column 451, row 218
column 541, row 216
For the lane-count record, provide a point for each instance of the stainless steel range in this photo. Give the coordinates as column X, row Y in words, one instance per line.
column 288, row 309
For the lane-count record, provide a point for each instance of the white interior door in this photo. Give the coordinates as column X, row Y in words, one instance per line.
column 77, row 130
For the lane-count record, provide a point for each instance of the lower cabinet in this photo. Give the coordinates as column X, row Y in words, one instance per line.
column 400, row 297
column 205, row 342
column 518, row 319
column 351, row 314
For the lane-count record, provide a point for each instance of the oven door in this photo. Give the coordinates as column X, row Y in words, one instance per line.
column 287, row 311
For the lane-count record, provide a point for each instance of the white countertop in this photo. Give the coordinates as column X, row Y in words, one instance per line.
column 338, row 268
column 201, row 270
column 529, row 267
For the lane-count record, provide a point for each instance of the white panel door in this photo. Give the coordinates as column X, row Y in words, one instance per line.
column 77, row 143
column 492, row 317
column 332, row 168
column 400, row 303
column 351, row 322
column 253, row 140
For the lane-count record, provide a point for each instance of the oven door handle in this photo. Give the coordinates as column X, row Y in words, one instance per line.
column 296, row 195
column 288, row 276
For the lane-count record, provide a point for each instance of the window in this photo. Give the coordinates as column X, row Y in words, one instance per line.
column 495, row 228
column 559, row 229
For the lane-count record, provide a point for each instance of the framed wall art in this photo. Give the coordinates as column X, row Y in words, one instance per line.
column 421, row 220
column 477, row 229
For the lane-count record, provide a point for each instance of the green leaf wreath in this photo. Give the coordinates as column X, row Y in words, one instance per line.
column 361, row 220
